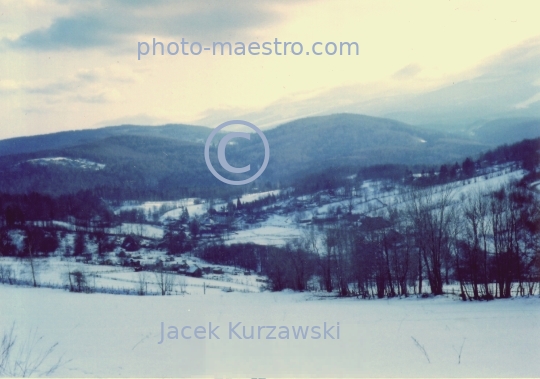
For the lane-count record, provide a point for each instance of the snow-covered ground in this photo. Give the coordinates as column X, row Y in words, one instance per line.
column 276, row 231
column 282, row 227
column 201, row 208
column 117, row 336
column 53, row 272
column 536, row 186
column 195, row 207
column 194, row 210
column 68, row 162
column 143, row 230
column 114, row 335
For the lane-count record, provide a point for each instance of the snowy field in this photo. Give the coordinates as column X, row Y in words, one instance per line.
column 371, row 198
column 195, row 207
column 101, row 334
column 279, row 229
column 68, row 162
column 149, row 231
column 117, row 336
column 126, row 228
column 53, row 273
column 276, row 231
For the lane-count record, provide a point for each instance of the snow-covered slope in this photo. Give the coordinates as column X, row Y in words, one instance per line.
column 283, row 226
column 67, row 162
column 276, row 231
column 371, row 198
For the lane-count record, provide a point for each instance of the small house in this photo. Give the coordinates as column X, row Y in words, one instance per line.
column 130, row 243
column 194, row 271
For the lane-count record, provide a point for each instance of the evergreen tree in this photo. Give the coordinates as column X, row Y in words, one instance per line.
column 79, row 244
column 443, row 173
column 468, row 167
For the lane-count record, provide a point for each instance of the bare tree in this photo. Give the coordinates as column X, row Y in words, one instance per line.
column 302, row 263
column 398, row 249
column 474, row 246
column 338, row 244
column 28, row 358
column 165, row 280
column 503, row 225
column 7, row 274
column 430, row 214
column 182, row 284
column 312, row 242
column 31, row 244
column 78, row 281
column 142, row 284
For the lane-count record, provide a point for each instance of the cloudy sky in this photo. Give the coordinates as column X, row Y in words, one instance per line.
column 73, row 64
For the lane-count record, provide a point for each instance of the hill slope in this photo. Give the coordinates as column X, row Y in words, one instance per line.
column 78, row 137
column 131, row 162
column 508, row 130
column 348, row 139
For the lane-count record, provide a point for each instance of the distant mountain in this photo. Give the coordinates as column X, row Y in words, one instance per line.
column 507, row 130
column 130, row 166
column 167, row 162
column 349, row 139
column 78, row 137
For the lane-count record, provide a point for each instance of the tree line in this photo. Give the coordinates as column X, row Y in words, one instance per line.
column 524, row 154
column 482, row 244
column 16, row 209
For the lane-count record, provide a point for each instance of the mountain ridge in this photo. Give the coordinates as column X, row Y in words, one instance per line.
column 69, row 138
column 164, row 161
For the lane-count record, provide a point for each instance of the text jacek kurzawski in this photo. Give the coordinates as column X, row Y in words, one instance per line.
column 239, row 331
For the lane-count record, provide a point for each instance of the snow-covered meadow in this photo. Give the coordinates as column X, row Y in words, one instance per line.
column 53, row 272
column 281, row 227
column 110, row 335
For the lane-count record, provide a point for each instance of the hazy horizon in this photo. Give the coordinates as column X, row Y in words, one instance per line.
column 74, row 65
